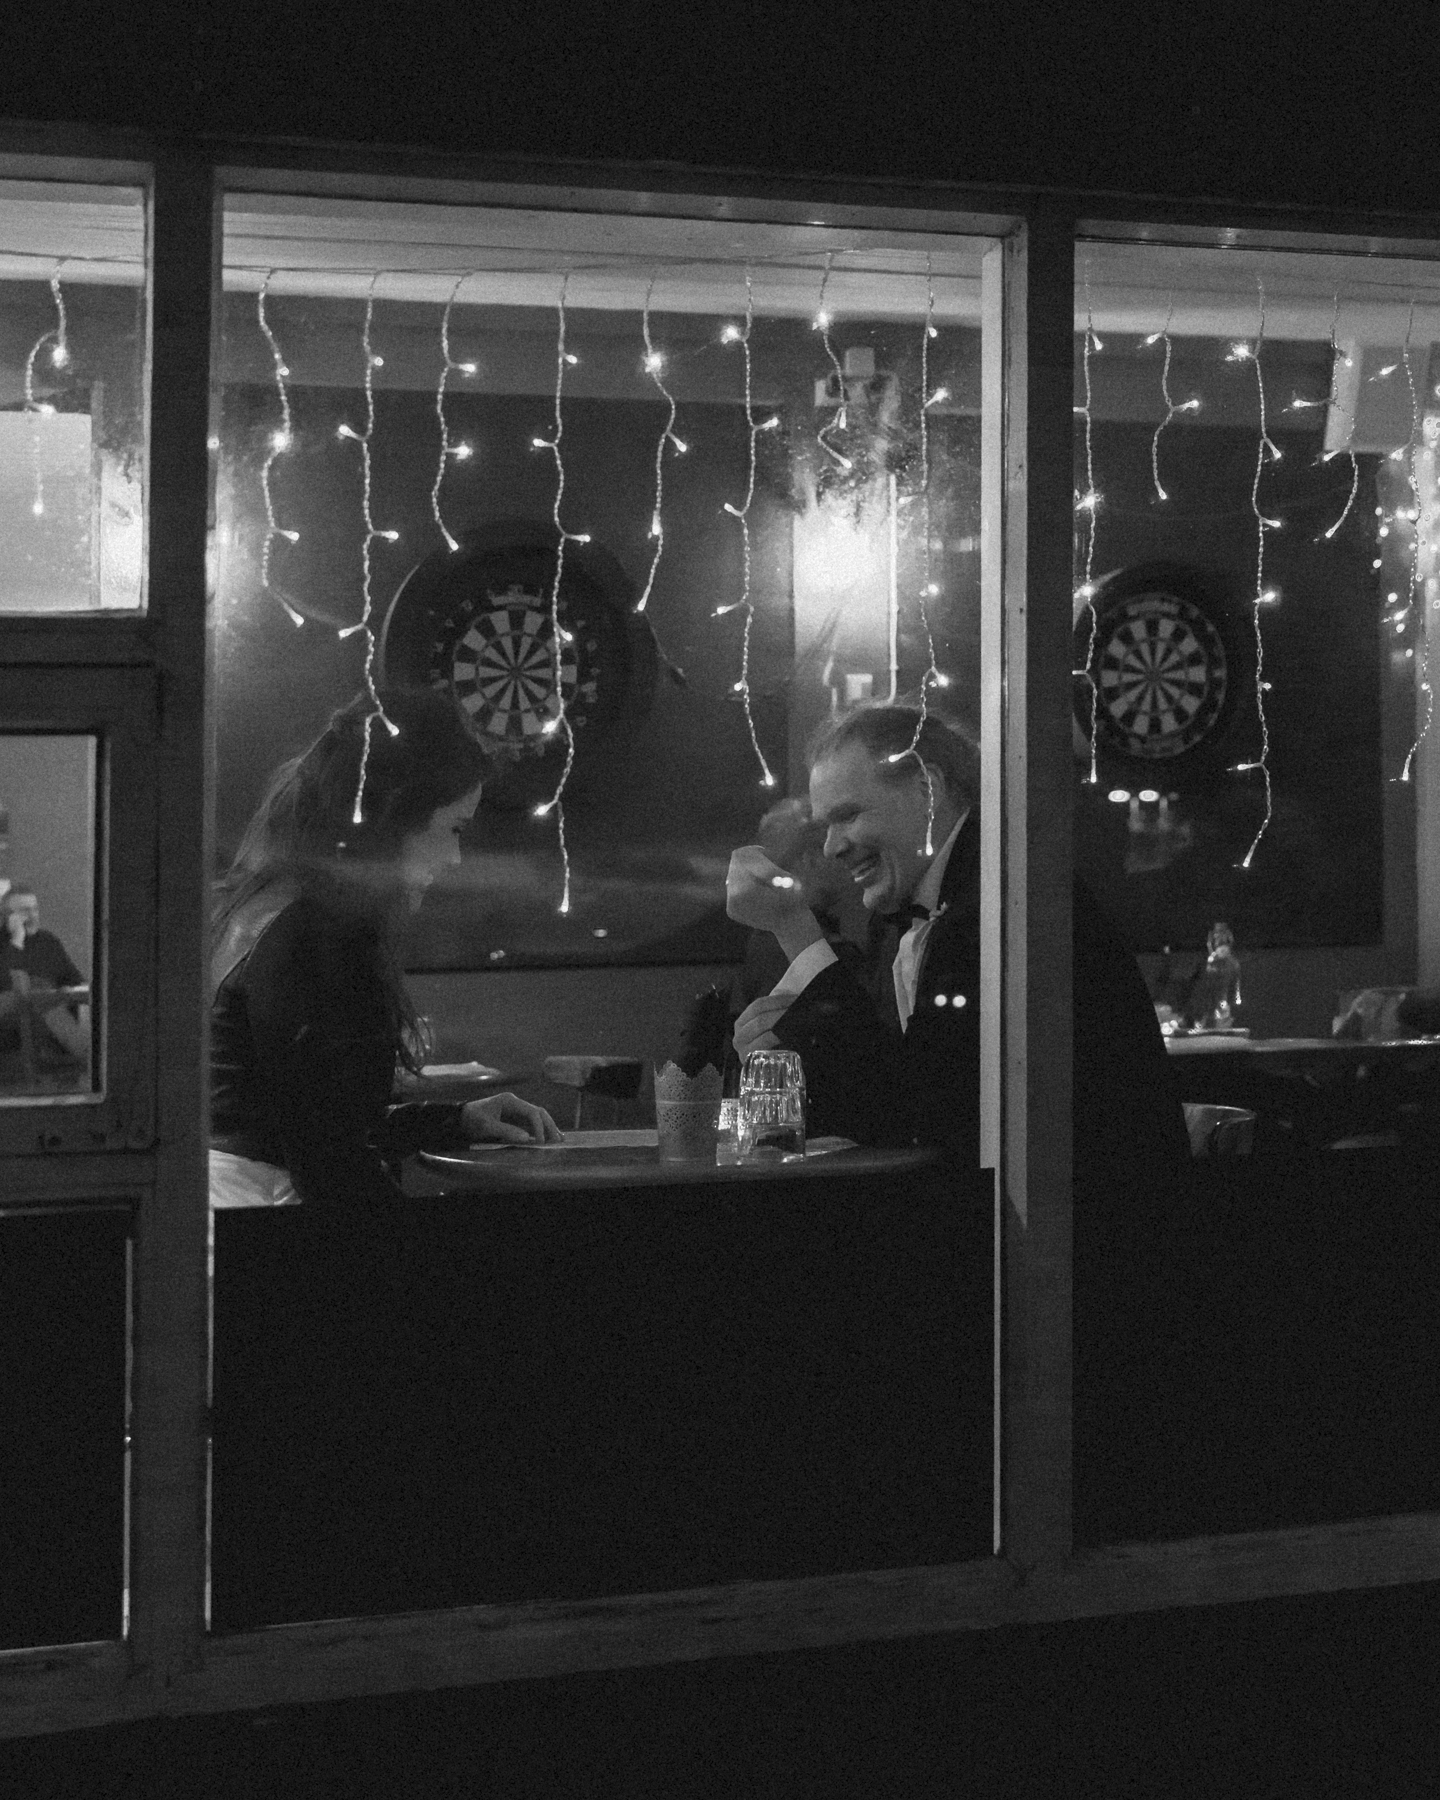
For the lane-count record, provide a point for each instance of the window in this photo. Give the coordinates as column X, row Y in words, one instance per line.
column 72, row 419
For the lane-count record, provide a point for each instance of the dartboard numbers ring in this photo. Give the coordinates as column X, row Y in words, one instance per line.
column 1160, row 675
column 499, row 660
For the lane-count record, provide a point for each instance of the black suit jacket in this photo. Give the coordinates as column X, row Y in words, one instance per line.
column 865, row 1082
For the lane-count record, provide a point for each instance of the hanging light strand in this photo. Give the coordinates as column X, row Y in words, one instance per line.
column 372, row 532
column 746, row 602
column 1172, row 406
column 1412, row 472
column 1087, row 506
column 58, row 338
column 1264, row 450
column 1337, row 362
column 928, row 588
column 281, row 442
column 838, row 418
column 449, row 447
column 559, row 723
column 655, row 369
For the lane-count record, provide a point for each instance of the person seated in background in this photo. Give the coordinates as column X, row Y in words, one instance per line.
column 36, row 971
column 310, row 1016
column 792, row 840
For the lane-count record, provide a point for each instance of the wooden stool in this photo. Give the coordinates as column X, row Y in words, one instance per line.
column 612, row 1078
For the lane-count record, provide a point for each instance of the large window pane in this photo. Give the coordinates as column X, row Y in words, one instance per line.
column 1255, row 441
column 72, row 418
column 647, row 501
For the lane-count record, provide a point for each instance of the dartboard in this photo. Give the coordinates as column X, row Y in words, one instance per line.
column 499, row 660
column 1160, row 674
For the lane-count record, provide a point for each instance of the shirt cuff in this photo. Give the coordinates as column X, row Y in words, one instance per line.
column 806, row 966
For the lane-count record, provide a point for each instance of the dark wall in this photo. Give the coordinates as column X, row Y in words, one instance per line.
column 1319, row 107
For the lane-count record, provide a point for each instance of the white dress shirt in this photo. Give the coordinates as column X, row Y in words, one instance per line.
column 911, row 953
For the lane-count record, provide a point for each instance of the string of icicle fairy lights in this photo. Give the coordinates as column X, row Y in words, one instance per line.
column 1410, row 452
column 1172, row 407
column 733, row 334
column 372, row 533
column 281, row 441
column 1087, row 506
column 559, row 637
column 655, row 369
column 1332, row 403
column 1265, row 451
column 932, row 677
column 840, row 417
column 58, row 338
column 450, row 449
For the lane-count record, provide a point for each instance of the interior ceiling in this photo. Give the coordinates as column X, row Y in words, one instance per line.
column 334, row 247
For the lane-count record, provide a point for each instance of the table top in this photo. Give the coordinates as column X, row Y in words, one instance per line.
column 1224, row 1043
column 629, row 1159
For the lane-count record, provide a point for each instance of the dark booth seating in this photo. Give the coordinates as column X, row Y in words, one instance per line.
column 560, row 1395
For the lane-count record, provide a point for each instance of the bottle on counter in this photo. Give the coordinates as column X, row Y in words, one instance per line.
column 1215, row 1004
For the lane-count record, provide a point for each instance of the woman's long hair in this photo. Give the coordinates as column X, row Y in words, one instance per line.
column 305, row 831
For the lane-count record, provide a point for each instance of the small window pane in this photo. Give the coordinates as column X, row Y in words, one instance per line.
column 47, row 909
column 72, row 426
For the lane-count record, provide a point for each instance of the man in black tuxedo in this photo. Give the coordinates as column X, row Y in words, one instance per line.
column 907, row 828
column 905, row 824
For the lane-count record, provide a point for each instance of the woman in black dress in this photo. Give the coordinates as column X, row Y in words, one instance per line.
column 310, row 1018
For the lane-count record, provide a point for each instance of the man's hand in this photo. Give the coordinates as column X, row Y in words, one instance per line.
column 759, row 893
column 508, row 1120
column 755, row 1028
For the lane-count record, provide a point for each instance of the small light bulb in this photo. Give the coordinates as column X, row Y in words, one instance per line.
column 770, row 424
column 680, row 446
column 462, row 452
column 1154, row 338
column 1269, row 597
column 38, row 509
column 291, row 536
column 940, row 395
column 212, row 443
column 822, row 321
column 932, row 588
column 540, row 812
column 1118, row 795
column 280, row 440
column 1238, row 353
column 467, row 368
column 345, row 431
column 731, row 335
column 571, row 358
column 377, row 362
column 932, row 331
column 390, row 537
column 549, row 728
column 541, row 444
column 59, row 356
column 654, row 363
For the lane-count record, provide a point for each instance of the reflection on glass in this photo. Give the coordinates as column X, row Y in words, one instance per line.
column 72, row 348
column 47, row 920
column 730, row 578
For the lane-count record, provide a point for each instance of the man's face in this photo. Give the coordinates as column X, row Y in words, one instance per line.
column 874, row 829
column 22, row 914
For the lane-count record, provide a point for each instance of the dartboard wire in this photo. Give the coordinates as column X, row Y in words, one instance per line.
column 746, row 602
column 1332, row 401
column 281, row 442
column 559, row 637
column 58, row 336
column 1087, row 505
column 928, row 587
column 372, row 532
column 460, row 450
column 1264, row 449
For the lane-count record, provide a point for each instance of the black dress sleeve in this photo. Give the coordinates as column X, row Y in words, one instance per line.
column 324, row 1062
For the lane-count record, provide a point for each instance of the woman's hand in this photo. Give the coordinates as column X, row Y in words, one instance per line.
column 508, row 1120
column 760, row 894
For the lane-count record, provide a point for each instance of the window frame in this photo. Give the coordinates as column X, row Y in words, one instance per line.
column 168, row 1664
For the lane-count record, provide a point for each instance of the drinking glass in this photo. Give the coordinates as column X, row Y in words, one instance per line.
column 772, row 1106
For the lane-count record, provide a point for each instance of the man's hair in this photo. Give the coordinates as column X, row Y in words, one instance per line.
column 887, row 733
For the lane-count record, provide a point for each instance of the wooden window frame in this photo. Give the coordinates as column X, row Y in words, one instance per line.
column 167, row 1664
